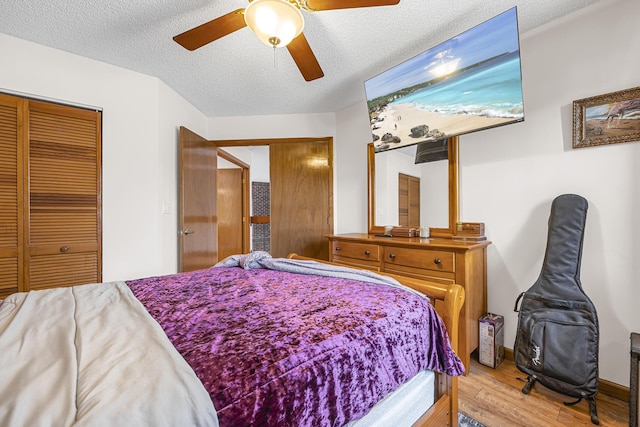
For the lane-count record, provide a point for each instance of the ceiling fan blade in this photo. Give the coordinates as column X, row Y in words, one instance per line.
column 212, row 30
column 304, row 58
column 316, row 5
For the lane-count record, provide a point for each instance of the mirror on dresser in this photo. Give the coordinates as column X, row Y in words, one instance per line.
column 438, row 190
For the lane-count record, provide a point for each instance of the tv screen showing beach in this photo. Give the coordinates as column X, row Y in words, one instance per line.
column 470, row 82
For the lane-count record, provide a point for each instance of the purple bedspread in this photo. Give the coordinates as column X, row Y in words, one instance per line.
column 284, row 349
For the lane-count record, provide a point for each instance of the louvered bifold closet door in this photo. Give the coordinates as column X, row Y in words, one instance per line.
column 63, row 243
column 11, row 137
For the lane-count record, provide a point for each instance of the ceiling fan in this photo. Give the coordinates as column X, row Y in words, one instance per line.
column 277, row 23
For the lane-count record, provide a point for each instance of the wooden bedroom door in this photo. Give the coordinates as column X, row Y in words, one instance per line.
column 233, row 197
column 301, row 198
column 230, row 215
column 198, row 208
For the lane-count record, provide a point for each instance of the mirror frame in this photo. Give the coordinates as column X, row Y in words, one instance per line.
column 454, row 206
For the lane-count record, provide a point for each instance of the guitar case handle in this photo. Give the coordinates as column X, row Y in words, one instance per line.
column 515, row 307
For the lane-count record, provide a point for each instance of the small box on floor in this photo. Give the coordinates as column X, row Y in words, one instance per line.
column 491, row 351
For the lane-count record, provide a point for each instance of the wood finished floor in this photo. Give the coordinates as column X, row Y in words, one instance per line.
column 494, row 398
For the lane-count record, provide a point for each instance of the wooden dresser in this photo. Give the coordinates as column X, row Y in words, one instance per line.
column 439, row 260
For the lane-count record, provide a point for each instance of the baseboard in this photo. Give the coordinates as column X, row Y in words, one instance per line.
column 609, row 388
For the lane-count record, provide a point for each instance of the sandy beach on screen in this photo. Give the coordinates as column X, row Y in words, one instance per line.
column 399, row 119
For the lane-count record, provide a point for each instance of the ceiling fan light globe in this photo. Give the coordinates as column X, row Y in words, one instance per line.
column 274, row 20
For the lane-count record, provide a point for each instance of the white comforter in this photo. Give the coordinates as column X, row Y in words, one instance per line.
column 92, row 356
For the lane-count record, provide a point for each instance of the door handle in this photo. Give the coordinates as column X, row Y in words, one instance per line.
column 186, row 231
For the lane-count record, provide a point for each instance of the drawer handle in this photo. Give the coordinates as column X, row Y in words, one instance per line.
column 437, row 261
column 392, row 256
column 367, row 253
column 64, row 249
column 337, row 248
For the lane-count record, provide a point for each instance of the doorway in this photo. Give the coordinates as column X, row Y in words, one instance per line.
column 232, row 199
column 300, row 180
column 301, row 197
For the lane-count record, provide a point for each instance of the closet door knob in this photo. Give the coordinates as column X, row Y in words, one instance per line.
column 392, row 256
column 437, row 261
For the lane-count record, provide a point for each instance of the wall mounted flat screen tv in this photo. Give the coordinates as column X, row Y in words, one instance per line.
column 468, row 83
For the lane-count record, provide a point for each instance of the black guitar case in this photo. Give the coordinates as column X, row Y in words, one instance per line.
column 558, row 334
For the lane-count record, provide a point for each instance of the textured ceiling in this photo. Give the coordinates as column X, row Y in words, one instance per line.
column 237, row 75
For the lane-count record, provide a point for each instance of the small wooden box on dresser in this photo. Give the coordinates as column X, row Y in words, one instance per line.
column 435, row 259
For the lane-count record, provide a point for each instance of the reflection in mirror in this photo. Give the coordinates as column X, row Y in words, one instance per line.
column 410, row 194
column 438, row 204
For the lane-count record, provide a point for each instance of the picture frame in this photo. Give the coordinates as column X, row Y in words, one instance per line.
column 607, row 119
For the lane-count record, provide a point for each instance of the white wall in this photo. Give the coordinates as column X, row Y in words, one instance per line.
column 140, row 119
column 510, row 175
column 350, row 166
column 274, row 126
column 260, row 164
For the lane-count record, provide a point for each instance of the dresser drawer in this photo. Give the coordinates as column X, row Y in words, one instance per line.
column 443, row 261
column 357, row 263
column 361, row 251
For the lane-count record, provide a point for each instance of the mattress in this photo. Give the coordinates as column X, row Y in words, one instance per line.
column 403, row 406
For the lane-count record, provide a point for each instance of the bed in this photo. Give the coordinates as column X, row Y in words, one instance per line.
column 254, row 341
